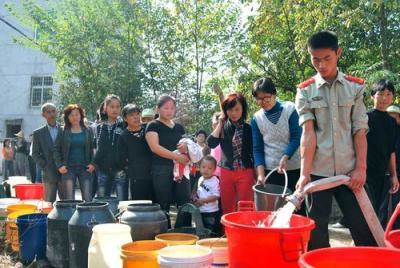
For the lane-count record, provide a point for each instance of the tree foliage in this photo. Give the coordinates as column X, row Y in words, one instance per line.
column 140, row 49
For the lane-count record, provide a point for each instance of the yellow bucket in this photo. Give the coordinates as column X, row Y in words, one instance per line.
column 141, row 253
column 12, row 228
column 173, row 239
column 17, row 207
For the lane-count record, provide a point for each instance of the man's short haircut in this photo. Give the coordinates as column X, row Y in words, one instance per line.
column 130, row 108
column 264, row 85
column 47, row 105
column 381, row 85
column 323, row 39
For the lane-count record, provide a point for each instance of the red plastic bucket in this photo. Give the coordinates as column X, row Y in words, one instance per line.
column 351, row 257
column 392, row 237
column 251, row 246
column 29, row 191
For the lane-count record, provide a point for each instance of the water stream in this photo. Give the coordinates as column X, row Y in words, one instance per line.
column 278, row 219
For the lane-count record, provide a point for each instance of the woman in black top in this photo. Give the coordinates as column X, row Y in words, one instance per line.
column 163, row 135
column 134, row 154
column 235, row 137
column 109, row 172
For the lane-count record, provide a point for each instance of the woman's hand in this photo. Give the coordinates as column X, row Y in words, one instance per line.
column 260, row 179
column 395, row 185
column 283, row 164
column 63, row 170
column 90, row 168
column 181, row 158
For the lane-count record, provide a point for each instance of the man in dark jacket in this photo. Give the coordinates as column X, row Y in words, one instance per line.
column 42, row 152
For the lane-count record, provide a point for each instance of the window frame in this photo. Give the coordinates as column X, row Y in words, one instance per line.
column 42, row 87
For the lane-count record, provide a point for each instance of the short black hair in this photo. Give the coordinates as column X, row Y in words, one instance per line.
column 381, row 85
column 209, row 158
column 263, row 85
column 323, row 39
column 198, row 132
column 130, row 108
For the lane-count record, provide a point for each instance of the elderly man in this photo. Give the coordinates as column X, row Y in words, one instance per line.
column 42, row 152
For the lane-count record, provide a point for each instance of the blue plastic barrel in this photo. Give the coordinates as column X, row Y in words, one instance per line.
column 32, row 236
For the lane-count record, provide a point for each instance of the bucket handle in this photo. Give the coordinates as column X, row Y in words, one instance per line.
column 389, row 227
column 286, row 179
column 286, row 252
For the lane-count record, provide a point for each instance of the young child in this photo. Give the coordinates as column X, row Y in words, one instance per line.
column 207, row 195
column 193, row 152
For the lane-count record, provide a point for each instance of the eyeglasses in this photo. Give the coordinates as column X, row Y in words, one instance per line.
column 265, row 98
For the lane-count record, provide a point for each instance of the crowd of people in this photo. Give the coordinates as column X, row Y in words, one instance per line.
column 148, row 155
column 17, row 158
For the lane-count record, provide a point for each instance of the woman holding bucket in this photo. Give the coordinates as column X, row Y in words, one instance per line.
column 234, row 136
column 276, row 136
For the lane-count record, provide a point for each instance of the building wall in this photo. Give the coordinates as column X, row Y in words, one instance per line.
column 17, row 65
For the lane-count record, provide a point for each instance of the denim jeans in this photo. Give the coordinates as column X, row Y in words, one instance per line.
column 8, row 169
column 38, row 177
column 85, row 182
column 107, row 180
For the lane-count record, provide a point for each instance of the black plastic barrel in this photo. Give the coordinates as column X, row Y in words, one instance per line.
column 86, row 216
column 112, row 203
column 57, row 232
column 146, row 221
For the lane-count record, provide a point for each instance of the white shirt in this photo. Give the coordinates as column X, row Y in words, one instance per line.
column 206, row 188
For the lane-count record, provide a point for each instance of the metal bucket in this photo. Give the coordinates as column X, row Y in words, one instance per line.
column 270, row 197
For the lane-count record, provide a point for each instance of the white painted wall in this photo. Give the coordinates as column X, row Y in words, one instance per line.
column 17, row 65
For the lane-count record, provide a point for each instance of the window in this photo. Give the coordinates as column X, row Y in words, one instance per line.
column 41, row 90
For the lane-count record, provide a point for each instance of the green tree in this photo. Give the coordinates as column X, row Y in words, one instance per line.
column 95, row 43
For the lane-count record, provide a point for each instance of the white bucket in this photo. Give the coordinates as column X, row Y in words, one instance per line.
column 42, row 206
column 105, row 244
column 123, row 205
column 219, row 247
column 14, row 180
column 185, row 256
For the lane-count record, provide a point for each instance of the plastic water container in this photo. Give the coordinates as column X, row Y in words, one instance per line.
column 184, row 256
column 80, row 226
column 29, row 191
column 123, row 205
column 175, row 239
column 14, row 180
column 247, row 242
column 12, row 228
column 141, row 253
column 351, row 257
column 219, row 247
column 105, row 244
column 4, row 202
column 32, row 236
